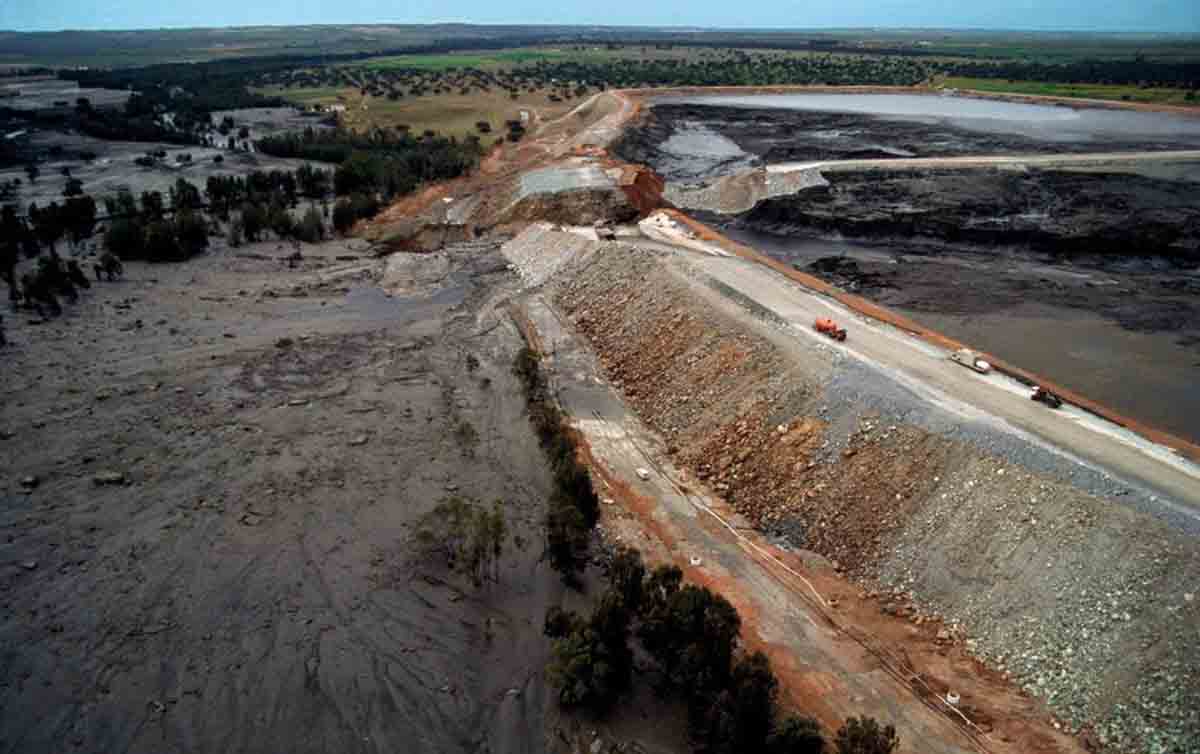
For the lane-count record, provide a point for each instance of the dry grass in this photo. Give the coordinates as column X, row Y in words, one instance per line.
column 450, row 114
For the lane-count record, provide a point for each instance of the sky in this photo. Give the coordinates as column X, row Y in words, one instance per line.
column 1083, row 15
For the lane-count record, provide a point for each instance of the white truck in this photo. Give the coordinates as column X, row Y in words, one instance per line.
column 970, row 360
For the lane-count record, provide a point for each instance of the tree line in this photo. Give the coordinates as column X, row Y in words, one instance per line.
column 574, row 506
column 1135, row 71
column 691, row 635
column 373, row 168
column 155, row 227
column 377, row 166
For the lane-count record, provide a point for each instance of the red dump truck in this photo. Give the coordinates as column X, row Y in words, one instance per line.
column 828, row 327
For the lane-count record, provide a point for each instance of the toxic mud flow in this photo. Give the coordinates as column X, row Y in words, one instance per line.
column 214, row 474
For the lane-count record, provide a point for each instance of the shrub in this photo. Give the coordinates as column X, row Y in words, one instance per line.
column 161, row 242
column 191, row 232
column 125, row 238
column 754, row 690
column 862, row 735
column 281, row 222
column 350, row 210
column 626, row 574
column 560, row 623
column 254, row 221
column 311, row 228
column 692, row 635
column 470, row 538
column 796, row 735
column 343, row 216
column 592, row 664
column 567, row 540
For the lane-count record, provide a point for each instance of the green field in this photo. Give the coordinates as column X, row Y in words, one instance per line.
column 1160, row 96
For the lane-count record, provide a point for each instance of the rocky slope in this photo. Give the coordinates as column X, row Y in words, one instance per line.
column 1087, row 603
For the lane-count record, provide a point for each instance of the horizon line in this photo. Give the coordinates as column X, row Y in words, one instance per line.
column 693, row 29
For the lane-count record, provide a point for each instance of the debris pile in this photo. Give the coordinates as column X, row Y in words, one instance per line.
column 542, row 249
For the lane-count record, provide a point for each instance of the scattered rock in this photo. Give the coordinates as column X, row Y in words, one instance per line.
column 108, row 477
column 360, row 440
column 29, row 482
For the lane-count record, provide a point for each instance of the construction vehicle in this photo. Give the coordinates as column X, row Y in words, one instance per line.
column 970, row 360
column 828, row 327
column 1042, row 395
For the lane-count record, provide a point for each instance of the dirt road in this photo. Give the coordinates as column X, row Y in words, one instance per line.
column 834, row 660
column 869, row 455
column 1173, row 482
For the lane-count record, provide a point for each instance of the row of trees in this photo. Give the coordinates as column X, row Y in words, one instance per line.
column 691, row 634
column 145, row 229
column 397, row 82
column 1135, row 71
column 44, row 228
column 837, row 65
column 266, row 187
column 566, row 79
column 574, row 506
column 741, row 68
column 259, row 203
column 154, row 226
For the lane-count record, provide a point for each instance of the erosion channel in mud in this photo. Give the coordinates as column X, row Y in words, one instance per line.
column 1075, row 270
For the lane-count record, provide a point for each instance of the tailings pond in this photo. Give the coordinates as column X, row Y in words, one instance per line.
column 1087, row 275
column 700, row 138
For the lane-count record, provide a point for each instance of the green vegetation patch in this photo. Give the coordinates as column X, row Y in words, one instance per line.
column 498, row 59
column 1116, row 92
